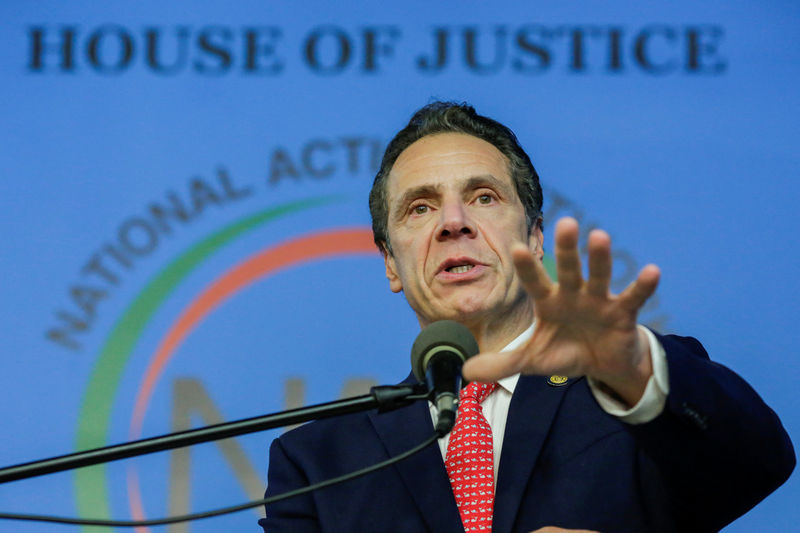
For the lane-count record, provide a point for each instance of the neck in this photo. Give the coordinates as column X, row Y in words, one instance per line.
column 495, row 332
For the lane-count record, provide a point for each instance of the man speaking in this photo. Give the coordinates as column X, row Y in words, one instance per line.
column 576, row 418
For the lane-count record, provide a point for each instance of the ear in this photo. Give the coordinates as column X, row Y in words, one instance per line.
column 536, row 241
column 391, row 272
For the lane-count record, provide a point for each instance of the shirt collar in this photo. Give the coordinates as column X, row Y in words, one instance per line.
column 509, row 383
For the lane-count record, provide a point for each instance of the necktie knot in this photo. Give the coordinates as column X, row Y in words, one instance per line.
column 477, row 391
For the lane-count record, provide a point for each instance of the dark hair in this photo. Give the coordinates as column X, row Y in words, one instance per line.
column 451, row 117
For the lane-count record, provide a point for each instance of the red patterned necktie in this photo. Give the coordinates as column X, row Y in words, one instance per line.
column 470, row 461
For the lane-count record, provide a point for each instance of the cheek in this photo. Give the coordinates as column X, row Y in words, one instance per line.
column 411, row 246
column 415, row 264
column 405, row 258
column 508, row 229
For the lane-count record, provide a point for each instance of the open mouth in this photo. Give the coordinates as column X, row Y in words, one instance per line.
column 459, row 265
column 459, row 269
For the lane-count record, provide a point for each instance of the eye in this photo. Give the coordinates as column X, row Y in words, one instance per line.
column 485, row 199
column 419, row 209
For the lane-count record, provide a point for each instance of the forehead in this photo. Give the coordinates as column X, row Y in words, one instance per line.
column 446, row 158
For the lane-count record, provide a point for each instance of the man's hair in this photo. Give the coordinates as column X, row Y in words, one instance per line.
column 452, row 117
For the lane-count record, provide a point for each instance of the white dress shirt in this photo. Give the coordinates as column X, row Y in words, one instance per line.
column 495, row 407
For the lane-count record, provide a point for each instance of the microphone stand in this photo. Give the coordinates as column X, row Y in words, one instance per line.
column 384, row 398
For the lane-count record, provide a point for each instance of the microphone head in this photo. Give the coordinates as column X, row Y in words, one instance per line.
column 446, row 335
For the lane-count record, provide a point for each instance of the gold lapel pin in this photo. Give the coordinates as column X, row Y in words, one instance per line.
column 557, row 381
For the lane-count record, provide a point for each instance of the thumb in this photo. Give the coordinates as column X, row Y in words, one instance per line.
column 489, row 367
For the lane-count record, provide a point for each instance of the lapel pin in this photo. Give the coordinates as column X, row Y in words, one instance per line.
column 557, row 381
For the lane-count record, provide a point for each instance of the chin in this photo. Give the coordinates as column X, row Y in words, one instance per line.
column 466, row 311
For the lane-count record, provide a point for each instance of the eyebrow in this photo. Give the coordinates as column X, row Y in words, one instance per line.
column 487, row 180
column 412, row 194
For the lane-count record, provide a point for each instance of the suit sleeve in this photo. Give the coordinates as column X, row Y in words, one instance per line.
column 720, row 448
column 296, row 514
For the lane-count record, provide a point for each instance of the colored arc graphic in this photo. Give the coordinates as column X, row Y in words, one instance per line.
column 94, row 419
column 309, row 248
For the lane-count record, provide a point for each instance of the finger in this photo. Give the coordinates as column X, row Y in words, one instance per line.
column 636, row 294
column 531, row 272
column 599, row 263
column 490, row 367
column 568, row 260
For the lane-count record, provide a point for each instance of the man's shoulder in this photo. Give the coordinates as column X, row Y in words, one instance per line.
column 683, row 344
column 334, row 446
column 327, row 429
column 344, row 430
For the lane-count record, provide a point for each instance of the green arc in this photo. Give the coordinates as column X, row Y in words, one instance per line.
column 95, row 412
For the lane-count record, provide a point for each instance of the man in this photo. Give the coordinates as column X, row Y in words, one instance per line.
column 646, row 434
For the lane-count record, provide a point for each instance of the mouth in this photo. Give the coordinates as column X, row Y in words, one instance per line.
column 459, row 267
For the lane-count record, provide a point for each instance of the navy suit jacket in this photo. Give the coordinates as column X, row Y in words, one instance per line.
column 714, row 452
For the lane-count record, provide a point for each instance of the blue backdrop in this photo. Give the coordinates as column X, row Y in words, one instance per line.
column 160, row 158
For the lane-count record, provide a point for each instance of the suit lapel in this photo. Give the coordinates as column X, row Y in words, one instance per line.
column 423, row 474
column 533, row 408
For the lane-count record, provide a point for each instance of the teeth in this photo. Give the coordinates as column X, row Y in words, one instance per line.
column 460, row 269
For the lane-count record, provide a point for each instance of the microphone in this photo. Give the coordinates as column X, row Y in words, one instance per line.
column 437, row 356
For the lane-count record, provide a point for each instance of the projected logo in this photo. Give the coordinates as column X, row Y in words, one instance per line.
column 98, row 416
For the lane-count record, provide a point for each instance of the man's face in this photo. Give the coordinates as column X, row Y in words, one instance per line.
column 453, row 215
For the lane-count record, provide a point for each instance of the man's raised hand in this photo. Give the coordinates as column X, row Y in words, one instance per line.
column 581, row 327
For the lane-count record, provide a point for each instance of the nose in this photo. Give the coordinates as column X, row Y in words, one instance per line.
column 455, row 222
